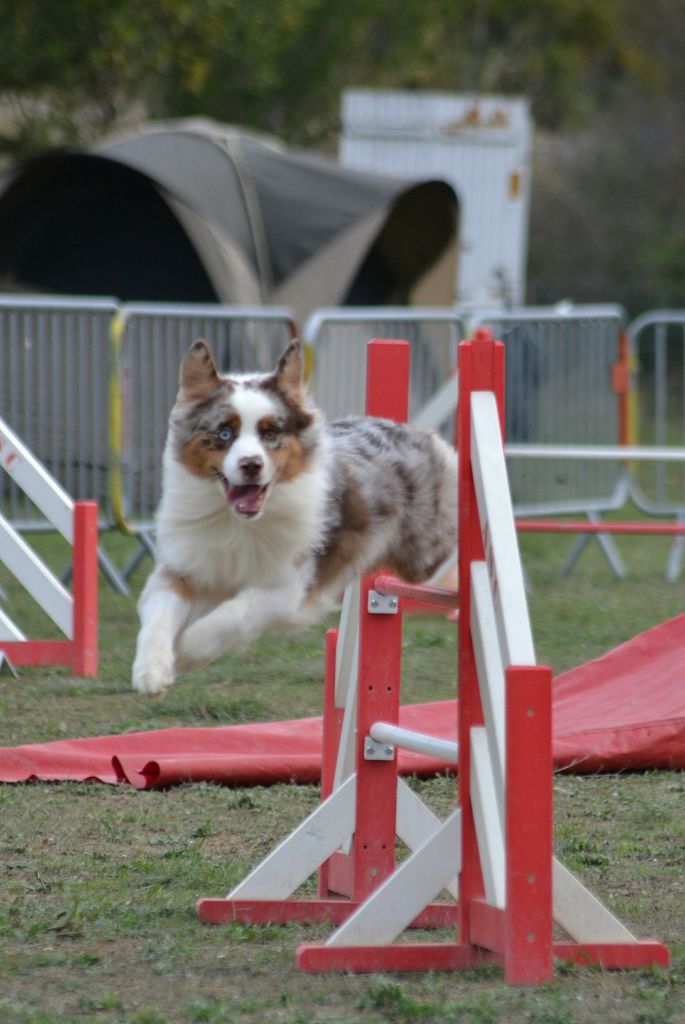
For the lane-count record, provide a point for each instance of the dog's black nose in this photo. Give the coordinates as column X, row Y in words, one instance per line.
column 251, row 467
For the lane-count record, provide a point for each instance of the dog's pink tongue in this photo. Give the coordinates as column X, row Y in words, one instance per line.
column 246, row 498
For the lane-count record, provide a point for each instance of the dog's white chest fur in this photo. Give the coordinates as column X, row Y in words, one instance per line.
column 203, row 542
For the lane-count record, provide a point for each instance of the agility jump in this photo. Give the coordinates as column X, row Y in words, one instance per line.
column 75, row 614
column 493, row 853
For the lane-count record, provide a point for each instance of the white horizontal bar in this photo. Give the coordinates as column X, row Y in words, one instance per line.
column 363, row 314
column 207, row 312
column 595, row 452
column 419, row 742
column 46, row 303
column 557, row 314
column 45, row 588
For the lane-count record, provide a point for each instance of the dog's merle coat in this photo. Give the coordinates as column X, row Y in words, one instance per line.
column 267, row 512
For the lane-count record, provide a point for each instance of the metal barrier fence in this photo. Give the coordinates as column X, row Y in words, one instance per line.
column 338, row 340
column 149, row 343
column 566, row 383
column 54, row 373
column 657, row 341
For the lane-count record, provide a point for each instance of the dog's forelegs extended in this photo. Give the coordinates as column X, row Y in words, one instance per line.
column 236, row 623
column 163, row 612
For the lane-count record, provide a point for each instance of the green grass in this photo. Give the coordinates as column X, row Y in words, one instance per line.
column 99, row 883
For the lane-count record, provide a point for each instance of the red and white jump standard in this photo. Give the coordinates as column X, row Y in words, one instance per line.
column 75, row 614
column 350, row 838
column 494, row 851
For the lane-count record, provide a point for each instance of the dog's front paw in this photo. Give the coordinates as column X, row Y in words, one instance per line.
column 152, row 676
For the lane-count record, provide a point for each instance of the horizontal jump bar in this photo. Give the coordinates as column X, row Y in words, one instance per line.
column 419, row 742
column 391, row 585
column 601, row 452
column 585, row 526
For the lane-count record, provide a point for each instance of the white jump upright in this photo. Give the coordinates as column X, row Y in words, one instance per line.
column 75, row 614
column 493, row 853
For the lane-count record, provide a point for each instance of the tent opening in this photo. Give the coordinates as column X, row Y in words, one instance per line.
column 420, row 227
column 89, row 226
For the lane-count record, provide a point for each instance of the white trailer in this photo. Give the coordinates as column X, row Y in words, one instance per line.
column 481, row 145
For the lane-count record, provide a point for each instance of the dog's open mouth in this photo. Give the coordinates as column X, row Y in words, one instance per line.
column 246, row 499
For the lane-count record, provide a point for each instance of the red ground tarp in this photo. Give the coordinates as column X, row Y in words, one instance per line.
column 624, row 711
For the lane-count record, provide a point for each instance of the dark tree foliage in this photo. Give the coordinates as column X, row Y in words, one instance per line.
column 76, row 68
column 605, row 79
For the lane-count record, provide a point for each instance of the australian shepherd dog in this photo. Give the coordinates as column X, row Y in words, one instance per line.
column 267, row 512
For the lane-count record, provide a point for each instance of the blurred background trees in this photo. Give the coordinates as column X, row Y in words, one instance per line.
column 605, row 79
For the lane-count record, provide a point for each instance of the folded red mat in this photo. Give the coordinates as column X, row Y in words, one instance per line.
column 622, row 711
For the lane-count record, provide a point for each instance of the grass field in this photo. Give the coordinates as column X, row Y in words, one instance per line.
column 99, row 883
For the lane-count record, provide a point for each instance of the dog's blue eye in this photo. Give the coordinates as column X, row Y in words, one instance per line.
column 225, row 434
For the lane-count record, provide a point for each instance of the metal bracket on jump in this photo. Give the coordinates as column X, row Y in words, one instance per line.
column 382, row 604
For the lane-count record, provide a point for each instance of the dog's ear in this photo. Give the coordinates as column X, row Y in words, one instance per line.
column 290, row 371
column 199, row 374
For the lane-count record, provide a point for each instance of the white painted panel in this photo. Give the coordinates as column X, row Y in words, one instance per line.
column 8, row 629
column 580, row 913
column 489, row 831
column 33, row 478
column 346, row 759
column 45, row 588
column 304, row 850
column 412, row 886
column 491, row 679
column 440, row 407
column 347, row 646
column 499, row 532
column 346, row 677
column 416, row 822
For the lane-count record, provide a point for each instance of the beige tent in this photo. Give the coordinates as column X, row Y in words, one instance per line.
column 194, row 211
